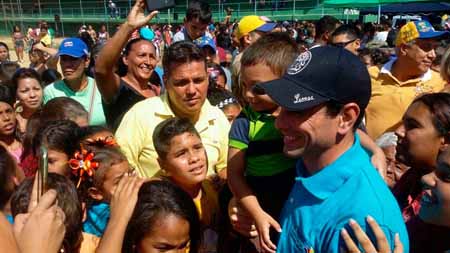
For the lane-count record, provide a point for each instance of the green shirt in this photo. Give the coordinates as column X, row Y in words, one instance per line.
column 263, row 144
column 60, row 89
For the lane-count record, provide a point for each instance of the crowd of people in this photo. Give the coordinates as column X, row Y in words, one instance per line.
column 236, row 136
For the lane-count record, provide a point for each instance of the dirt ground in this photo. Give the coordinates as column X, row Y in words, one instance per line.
column 12, row 53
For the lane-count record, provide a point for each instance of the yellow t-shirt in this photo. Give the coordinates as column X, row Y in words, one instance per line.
column 135, row 134
column 90, row 243
column 391, row 97
column 208, row 210
column 47, row 40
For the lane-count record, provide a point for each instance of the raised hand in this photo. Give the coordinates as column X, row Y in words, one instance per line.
column 136, row 18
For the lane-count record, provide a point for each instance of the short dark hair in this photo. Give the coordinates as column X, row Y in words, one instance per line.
column 67, row 200
column 7, row 170
column 200, row 10
column 23, row 73
column 325, row 24
column 62, row 108
column 157, row 200
column 352, row 32
column 334, row 108
column 181, row 52
column 277, row 50
column 166, row 130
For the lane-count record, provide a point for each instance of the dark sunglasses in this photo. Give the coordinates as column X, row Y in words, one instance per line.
column 342, row 44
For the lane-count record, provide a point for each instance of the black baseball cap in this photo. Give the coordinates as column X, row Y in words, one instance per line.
column 320, row 75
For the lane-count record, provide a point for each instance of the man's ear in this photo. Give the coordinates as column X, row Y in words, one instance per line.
column 162, row 166
column 445, row 142
column 347, row 118
column 95, row 194
column 403, row 49
column 247, row 39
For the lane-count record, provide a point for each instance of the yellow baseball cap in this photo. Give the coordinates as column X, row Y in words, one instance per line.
column 253, row 23
column 417, row 30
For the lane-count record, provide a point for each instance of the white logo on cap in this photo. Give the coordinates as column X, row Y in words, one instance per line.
column 68, row 44
column 300, row 63
column 299, row 99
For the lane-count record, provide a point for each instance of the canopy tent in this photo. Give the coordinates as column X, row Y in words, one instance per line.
column 362, row 3
column 400, row 8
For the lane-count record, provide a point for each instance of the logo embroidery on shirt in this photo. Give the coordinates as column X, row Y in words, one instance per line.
column 300, row 63
column 299, row 99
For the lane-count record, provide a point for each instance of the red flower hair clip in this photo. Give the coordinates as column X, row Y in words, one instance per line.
column 107, row 141
column 82, row 165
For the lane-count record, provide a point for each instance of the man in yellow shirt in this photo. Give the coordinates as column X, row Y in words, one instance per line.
column 399, row 81
column 186, row 81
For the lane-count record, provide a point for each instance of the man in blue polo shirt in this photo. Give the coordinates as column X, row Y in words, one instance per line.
column 335, row 179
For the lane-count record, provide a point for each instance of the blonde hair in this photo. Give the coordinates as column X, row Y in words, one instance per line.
column 445, row 65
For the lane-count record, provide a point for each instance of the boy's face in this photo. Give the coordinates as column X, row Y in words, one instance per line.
column 185, row 162
column 252, row 75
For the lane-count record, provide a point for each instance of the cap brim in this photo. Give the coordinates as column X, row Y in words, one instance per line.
column 75, row 55
column 267, row 27
column 291, row 95
column 433, row 34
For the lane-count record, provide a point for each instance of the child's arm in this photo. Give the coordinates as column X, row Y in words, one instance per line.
column 123, row 201
column 378, row 158
column 240, row 189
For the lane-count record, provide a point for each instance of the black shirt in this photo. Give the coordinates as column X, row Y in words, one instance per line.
column 121, row 103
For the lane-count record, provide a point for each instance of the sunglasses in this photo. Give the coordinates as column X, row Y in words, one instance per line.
column 342, row 44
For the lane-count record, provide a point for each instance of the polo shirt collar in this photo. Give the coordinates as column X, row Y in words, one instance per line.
column 387, row 69
column 328, row 180
column 207, row 113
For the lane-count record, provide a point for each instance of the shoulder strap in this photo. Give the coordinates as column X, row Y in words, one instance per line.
column 91, row 102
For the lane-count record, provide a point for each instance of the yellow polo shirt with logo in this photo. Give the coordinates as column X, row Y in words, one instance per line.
column 134, row 134
column 390, row 97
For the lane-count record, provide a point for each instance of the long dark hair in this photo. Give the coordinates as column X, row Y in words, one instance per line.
column 157, row 200
column 439, row 106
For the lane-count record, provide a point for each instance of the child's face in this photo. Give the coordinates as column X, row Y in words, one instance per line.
column 58, row 162
column 7, row 119
column 112, row 178
column 435, row 203
column 232, row 111
column 170, row 234
column 185, row 162
column 252, row 75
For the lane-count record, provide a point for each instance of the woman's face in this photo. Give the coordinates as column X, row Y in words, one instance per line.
column 141, row 60
column 112, row 178
column 29, row 93
column 4, row 54
column 435, row 202
column 7, row 119
column 220, row 82
column 169, row 234
column 418, row 140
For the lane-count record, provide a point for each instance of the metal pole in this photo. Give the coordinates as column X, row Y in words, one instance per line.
column 168, row 16
column 255, row 5
column 61, row 18
column 293, row 11
column 4, row 16
column 39, row 7
column 379, row 13
column 82, row 13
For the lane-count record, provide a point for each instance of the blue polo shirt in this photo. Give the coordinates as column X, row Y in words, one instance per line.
column 320, row 205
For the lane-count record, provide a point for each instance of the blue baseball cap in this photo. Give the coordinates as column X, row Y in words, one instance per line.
column 206, row 41
column 74, row 47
